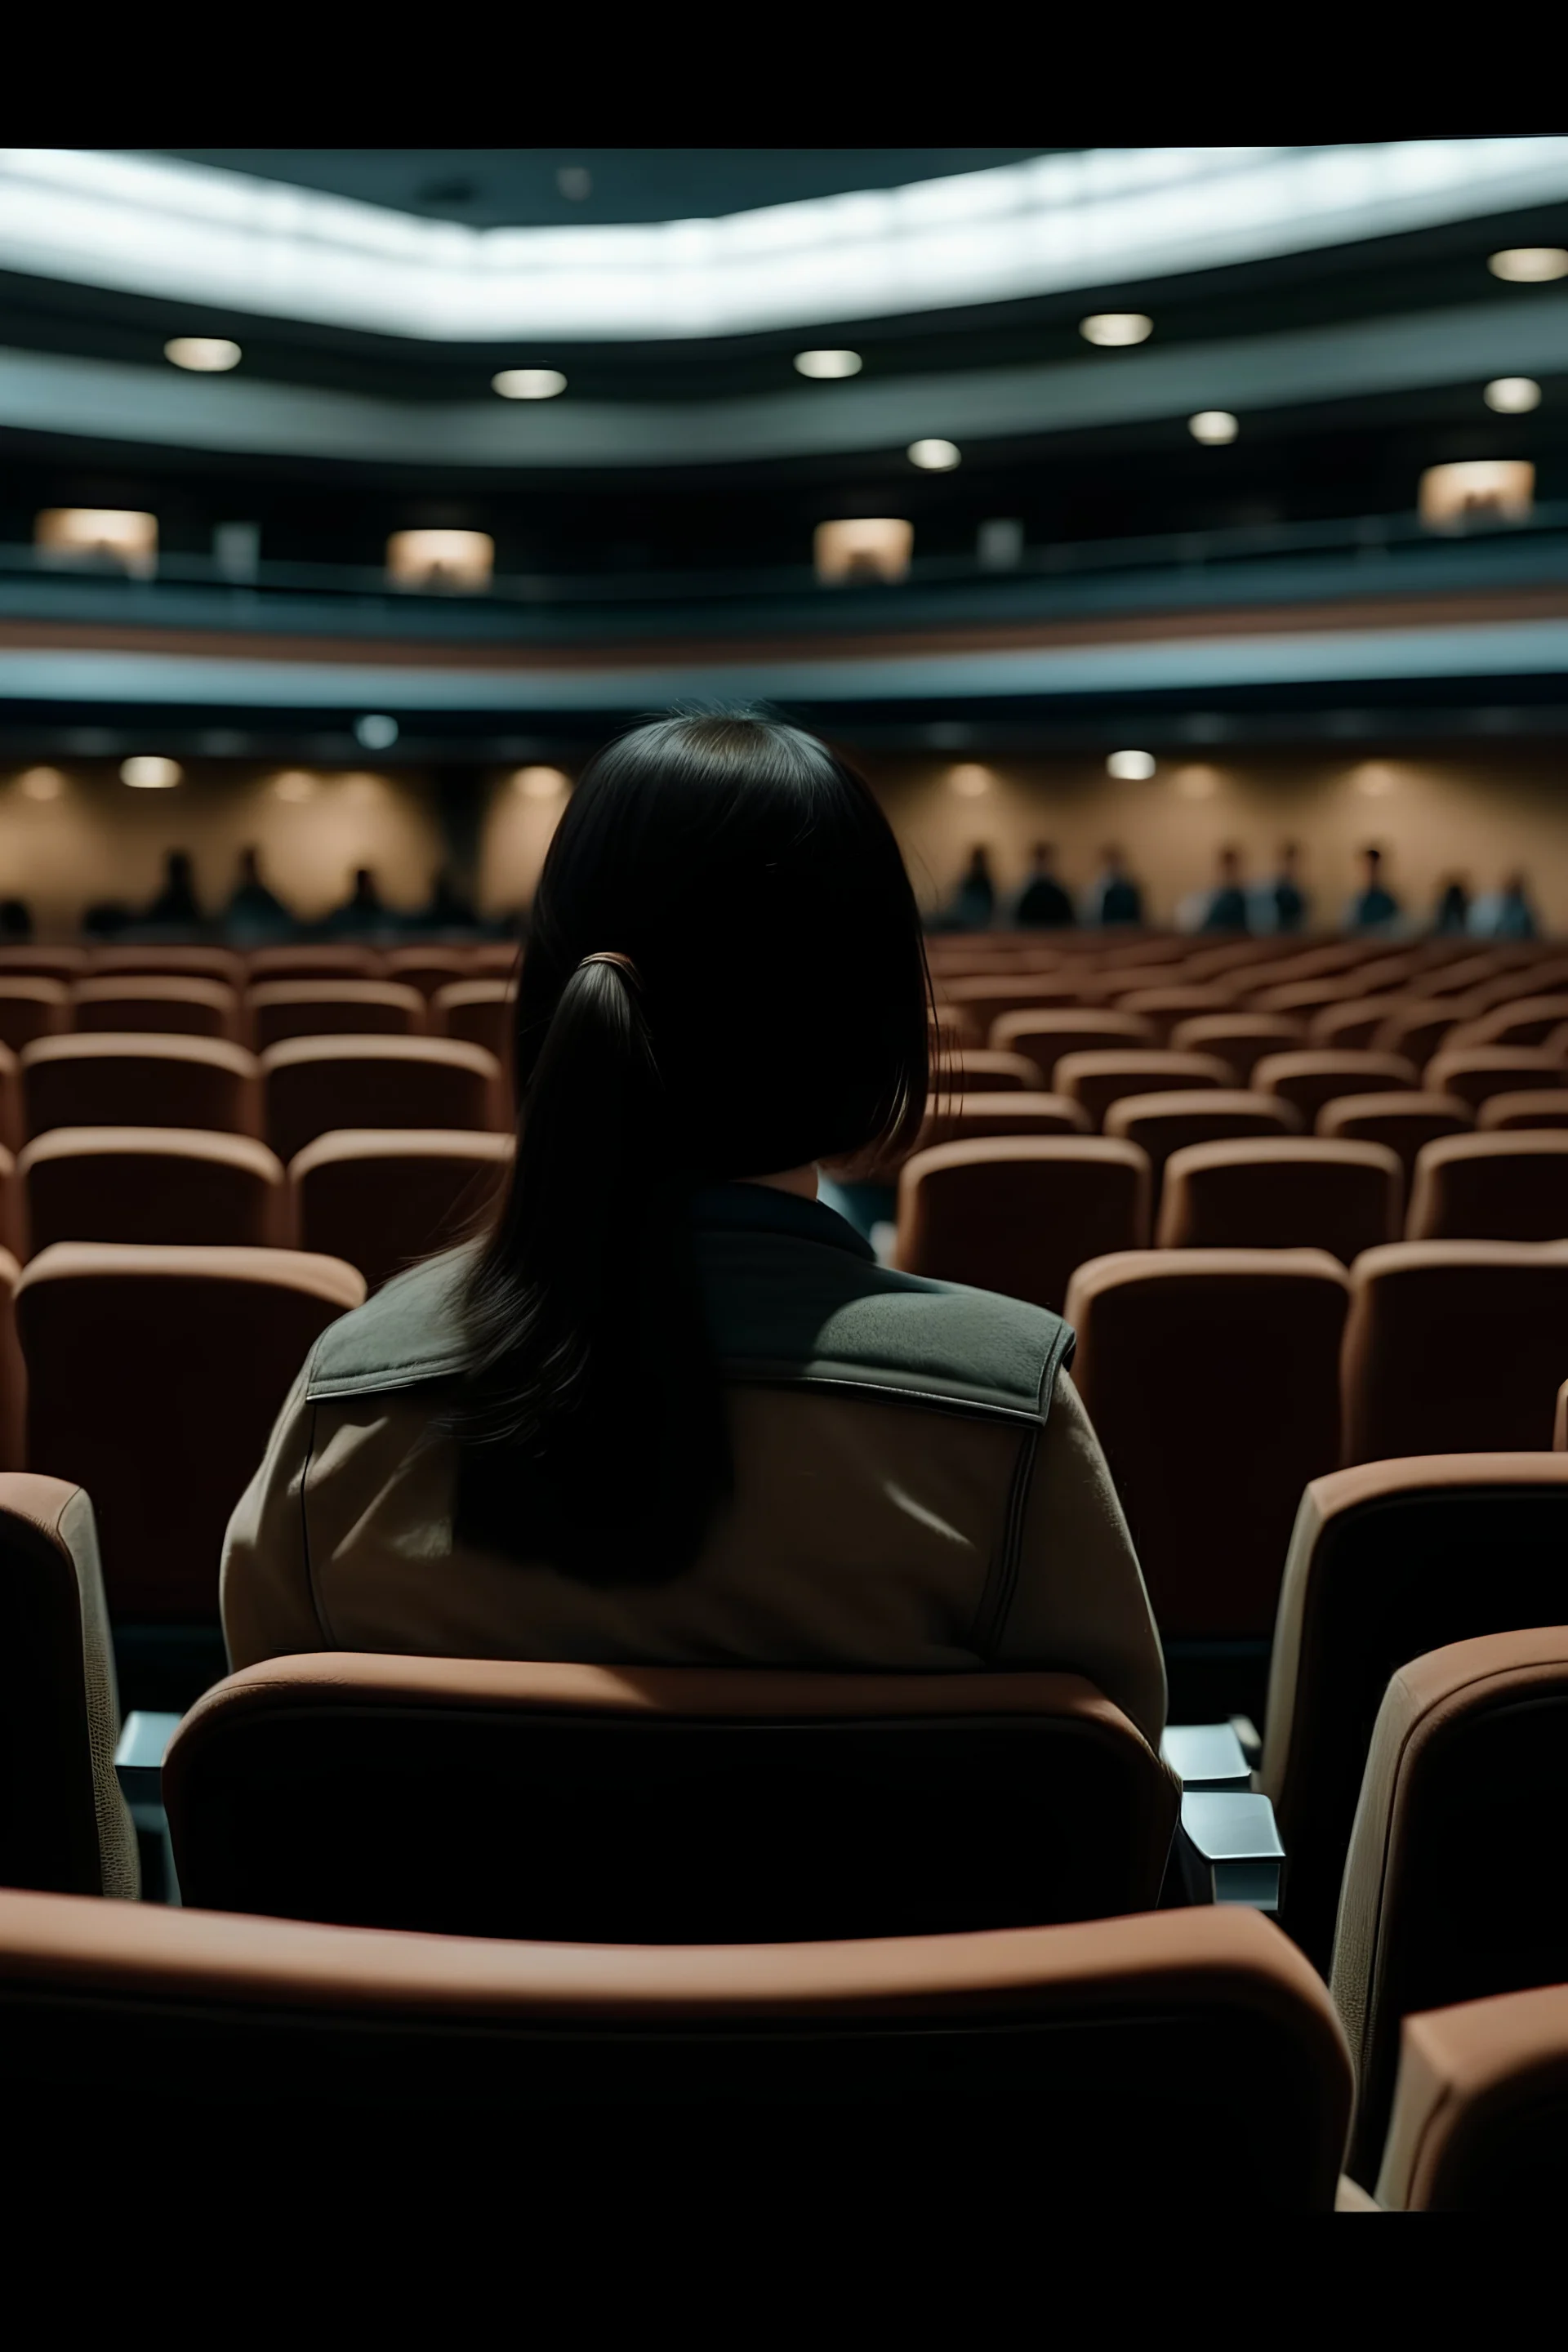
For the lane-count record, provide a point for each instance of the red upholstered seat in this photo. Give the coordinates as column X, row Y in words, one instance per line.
column 151, row 1002
column 280, row 1009
column 1402, row 1121
column 1510, row 1187
column 381, row 1198
column 150, row 1184
column 1099, row 1079
column 139, row 1080
column 32, row 1006
column 479, row 1012
column 1240, row 1039
column 1282, row 1192
column 1017, row 1214
column 1454, row 1346
column 1317, row 1074
column 313, row 1085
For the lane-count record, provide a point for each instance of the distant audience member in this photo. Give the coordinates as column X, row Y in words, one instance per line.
column 447, row 909
column 15, row 919
column 175, row 907
column 254, row 912
column 1374, row 906
column 363, row 910
column 973, row 902
column 1044, row 905
column 1228, row 909
column 1116, row 897
column 1285, row 901
column 1505, row 914
column 1452, row 915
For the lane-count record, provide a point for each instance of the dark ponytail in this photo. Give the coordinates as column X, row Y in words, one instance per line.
column 724, row 979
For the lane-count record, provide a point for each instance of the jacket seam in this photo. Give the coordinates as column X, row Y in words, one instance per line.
column 316, row 1602
column 995, row 1604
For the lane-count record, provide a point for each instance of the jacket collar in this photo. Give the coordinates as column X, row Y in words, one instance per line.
column 760, row 1209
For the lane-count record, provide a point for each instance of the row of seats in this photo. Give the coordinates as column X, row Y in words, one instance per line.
column 267, row 1014
column 425, row 967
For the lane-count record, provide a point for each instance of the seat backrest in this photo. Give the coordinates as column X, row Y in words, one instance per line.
column 64, row 964
column 1386, row 1562
column 1096, row 1080
column 64, row 1825
column 663, row 1804
column 13, row 1371
column 1302, row 998
column 1530, row 1106
column 1282, row 1192
column 150, row 1184
column 1475, row 1072
column 429, row 968
column 1520, row 1021
column 1045, row 1037
column 879, row 2068
column 1402, row 1122
column 148, row 1003
column 1417, row 1027
column 1480, row 2110
column 11, row 1097
column 31, row 1007
column 985, row 997
column 1511, row 1187
column 1211, row 1377
column 142, row 1079
column 263, row 965
column 1445, row 1897
column 172, row 962
column 1317, row 1074
column 478, row 1011
column 382, row 1197
column 281, row 1009
column 155, row 1376
column 313, row 1085
column 1161, row 1124
column 1240, row 1039
column 1017, row 1214
column 961, row 1119
column 977, row 1069
column 1351, row 1026
column 1165, row 1008
column 1453, row 1347
column 496, row 960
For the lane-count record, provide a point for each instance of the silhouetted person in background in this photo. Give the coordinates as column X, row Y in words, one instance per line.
column 1287, row 901
column 254, row 912
column 175, row 907
column 1374, row 906
column 1117, row 898
column 1044, row 904
column 974, row 900
column 363, row 909
column 447, row 909
column 1227, row 902
column 1451, row 915
column 1505, row 914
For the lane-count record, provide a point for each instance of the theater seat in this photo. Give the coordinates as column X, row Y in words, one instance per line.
column 429, row 968
column 13, row 1371
column 280, row 1009
column 64, row 1826
column 1211, row 1377
column 172, row 962
column 1518, row 1021
column 1282, row 1192
column 479, row 1012
column 153, row 1377
column 1453, row 1347
column 496, row 960
column 31, row 1007
column 875, row 2069
column 1531, row 1107
column 1480, row 2111
column 1164, row 1009
column 1094, row 1081
column 962, row 1118
column 982, row 998
column 1161, row 1124
column 1240, row 1039
column 1508, row 1188
column 1045, row 1037
column 148, row 1002
column 1475, row 1072
column 1417, row 1028
column 11, row 1097
column 1316, row 1075
column 380, row 1198
column 1445, row 1897
column 264, row 965
column 977, row 1070
column 150, row 1184
column 1017, row 1214
column 139, row 1080
column 313, row 1085
column 62, row 964
column 664, row 1804
column 1402, row 1122
column 1353, row 1027
column 1386, row 1562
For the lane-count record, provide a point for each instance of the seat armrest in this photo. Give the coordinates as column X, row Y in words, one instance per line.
column 139, row 1759
column 1230, row 1848
column 1205, row 1756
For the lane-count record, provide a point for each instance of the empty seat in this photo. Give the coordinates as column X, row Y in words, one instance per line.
column 1532, row 1106
column 11, row 1097
column 64, row 1825
column 1045, row 1037
column 1164, row 1009
column 957, row 1118
column 1316, row 1076
column 976, row 1070
column 265, row 964
column 1474, row 1072
column 1017, row 1214
column 1302, row 998
column 13, row 1371
column 495, row 959
column 665, row 1805
column 1402, row 1122
column 13, row 1231
column 153, row 1377
column 63, row 964
column 1508, row 1188
column 874, row 2068
column 1387, row 1561
column 1520, row 1021
column 150, row 1184
column 174, row 962
column 1480, row 2110
column 1560, row 1424
column 1240, row 1039
column 1417, row 1028
column 1282, row 1192
column 1211, row 1377
column 382, row 1197
column 139, row 1080
column 985, row 997
column 148, row 1002
column 280, row 1009
column 1350, row 1027
column 427, row 968
column 1161, row 1124
column 313, row 1085
column 1097, row 1080
column 1453, row 1345
column 480, row 1013
column 1445, row 1898
column 31, row 1007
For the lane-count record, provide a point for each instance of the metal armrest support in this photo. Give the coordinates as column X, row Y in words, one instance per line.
column 139, row 1763
column 1229, row 1847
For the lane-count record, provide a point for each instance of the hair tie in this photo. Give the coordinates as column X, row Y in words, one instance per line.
column 621, row 962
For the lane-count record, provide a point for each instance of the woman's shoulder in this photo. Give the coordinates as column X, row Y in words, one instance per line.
column 408, row 1333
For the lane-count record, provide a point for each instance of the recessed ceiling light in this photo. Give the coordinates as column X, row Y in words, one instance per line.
column 1530, row 265
column 1512, row 395
column 1213, row 425
column 970, row 782
column 375, row 730
column 1113, row 328
column 41, row 784
column 295, row 784
column 827, row 366
column 528, row 383
column 1133, row 767
column 933, row 456
column 148, row 772
column 539, row 783
column 205, row 354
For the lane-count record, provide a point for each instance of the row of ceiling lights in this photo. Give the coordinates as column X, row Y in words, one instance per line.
column 150, row 771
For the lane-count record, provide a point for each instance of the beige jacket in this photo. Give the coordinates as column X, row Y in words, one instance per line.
column 917, row 1488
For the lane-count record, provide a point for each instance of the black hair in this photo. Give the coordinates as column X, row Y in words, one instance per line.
column 725, row 978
